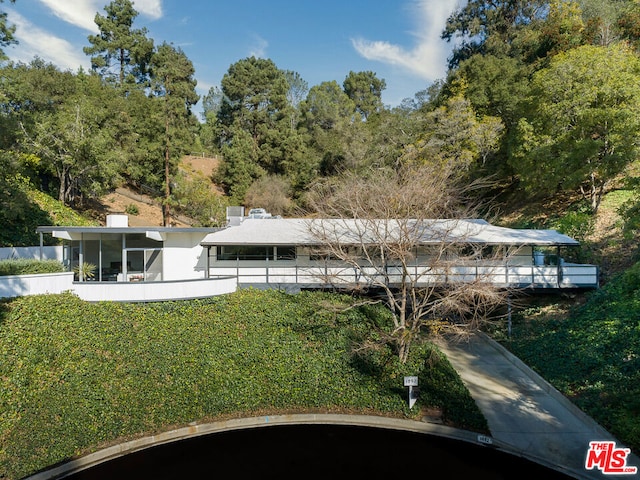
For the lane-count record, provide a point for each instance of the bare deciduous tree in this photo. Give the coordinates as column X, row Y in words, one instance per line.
column 407, row 236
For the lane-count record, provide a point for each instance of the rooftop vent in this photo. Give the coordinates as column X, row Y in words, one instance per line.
column 235, row 215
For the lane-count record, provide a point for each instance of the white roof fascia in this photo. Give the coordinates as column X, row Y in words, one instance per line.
column 155, row 235
column 65, row 235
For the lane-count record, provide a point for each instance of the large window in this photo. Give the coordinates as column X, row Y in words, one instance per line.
column 244, row 252
column 255, row 252
column 111, row 246
column 108, row 251
column 144, row 265
column 286, row 253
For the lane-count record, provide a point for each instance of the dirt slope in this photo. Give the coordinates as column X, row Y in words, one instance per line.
column 126, row 200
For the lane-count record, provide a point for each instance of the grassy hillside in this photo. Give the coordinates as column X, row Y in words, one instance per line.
column 76, row 376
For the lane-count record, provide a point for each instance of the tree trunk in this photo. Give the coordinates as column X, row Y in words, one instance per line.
column 122, row 67
column 166, row 213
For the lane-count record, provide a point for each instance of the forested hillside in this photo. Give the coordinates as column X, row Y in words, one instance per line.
column 541, row 97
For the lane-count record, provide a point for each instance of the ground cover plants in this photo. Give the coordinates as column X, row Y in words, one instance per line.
column 76, row 376
column 590, row 353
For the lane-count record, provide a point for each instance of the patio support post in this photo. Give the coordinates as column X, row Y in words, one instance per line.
column 100, row 258
column 124, row 260
column 509, row 315
column 81, row 258
column 41, row 247
column 533, row 274
column 206, row 273
column 506, row 273
column 558, row 267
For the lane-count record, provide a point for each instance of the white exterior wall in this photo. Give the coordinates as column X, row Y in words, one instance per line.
column 54, row 283
column 21, row 285
column 154, row 291
column 48, row 252
column 183, row 257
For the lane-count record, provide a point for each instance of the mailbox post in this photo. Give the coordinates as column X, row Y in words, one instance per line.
column 412, row 383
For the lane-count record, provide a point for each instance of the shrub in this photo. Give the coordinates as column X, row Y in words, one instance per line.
column 27, row 266
column 576, row 224
column 132, row 209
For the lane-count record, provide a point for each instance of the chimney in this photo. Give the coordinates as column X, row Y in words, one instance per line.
column 117, row 220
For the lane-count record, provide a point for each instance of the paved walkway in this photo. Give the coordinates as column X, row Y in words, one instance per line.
column 525, row 414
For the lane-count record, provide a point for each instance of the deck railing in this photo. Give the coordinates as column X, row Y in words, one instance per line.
column 516, row 276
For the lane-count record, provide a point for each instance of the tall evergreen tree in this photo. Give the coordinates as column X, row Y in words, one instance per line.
column 6, row 32
column 120, row 53
column 490, row 26
column 255, row 127
column 327, row 113
column 174, row 86
column 365, row 89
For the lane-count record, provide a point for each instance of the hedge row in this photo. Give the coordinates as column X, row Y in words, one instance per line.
column 75, row 376
column 26, row 266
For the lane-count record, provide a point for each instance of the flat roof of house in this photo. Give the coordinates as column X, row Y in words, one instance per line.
column 102, row 229
column 299, row 231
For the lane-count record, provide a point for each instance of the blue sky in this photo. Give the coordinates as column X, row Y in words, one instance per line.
column 399, row 40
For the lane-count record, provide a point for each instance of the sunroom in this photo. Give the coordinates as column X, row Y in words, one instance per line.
column 119, row 253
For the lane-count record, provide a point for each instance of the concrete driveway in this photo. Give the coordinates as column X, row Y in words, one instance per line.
column 526, row 415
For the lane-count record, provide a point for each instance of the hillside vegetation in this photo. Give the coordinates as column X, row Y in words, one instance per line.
column 29, row 208
column 76, row 376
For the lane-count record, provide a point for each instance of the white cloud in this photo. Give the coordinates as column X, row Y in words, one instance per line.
column 259, row 48
column 80, row 13
column 34, row 41
column 428, row 58
column 149, row 8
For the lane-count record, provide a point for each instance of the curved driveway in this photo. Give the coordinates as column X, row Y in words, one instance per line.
column 525, row 413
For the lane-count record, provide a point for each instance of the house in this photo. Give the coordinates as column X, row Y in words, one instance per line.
column 291, row 253
column 162, row 263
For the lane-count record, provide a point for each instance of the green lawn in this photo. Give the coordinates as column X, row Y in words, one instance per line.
column 591, row 355
column 76, row 376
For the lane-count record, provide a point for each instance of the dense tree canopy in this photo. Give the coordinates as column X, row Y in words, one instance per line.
column 490, row 26
column 504, row 109
column 76, row 142
column 584, row 125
